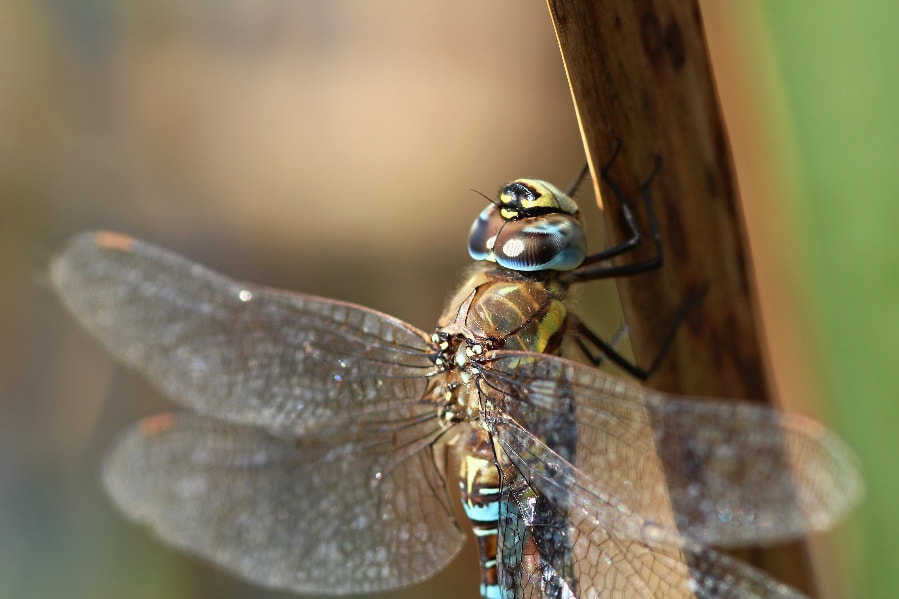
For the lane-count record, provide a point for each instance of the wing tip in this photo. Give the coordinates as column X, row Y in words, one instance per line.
column 97, row 240
column 82, row 249
column 110, row 240
column 156, row 424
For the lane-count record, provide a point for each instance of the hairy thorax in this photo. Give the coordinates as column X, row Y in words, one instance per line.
column 494, row 309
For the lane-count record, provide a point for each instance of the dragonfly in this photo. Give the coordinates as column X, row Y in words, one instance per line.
column 312, row 454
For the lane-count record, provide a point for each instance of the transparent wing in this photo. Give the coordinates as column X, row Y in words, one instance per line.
column 735, row 473
column 305, row 517
column 551, row 545
column 534, row 544
column 286, row 361
column 587, row 559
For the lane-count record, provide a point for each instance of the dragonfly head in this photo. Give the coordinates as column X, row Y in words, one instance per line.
column 533, row 227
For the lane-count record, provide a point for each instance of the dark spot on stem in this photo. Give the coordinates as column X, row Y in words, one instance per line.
column 674, row 45
column 651, row 38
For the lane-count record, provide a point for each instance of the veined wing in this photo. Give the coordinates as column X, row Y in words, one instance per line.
column 283, row 513
column 249, row 354
column 731, row 469
column 734, row 474
column 534, row 542
column 587, row 559
column 550, row 547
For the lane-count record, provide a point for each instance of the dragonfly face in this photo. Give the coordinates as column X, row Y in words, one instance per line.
column 533, row 227
column 306, row 463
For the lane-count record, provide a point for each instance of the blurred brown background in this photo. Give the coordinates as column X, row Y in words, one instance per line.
column 328, row 147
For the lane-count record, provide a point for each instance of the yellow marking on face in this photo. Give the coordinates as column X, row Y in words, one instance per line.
column 546, row 195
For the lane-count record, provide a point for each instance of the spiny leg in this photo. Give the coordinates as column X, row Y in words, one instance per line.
column 577, row 180
column 606, row 350
column 596, row 266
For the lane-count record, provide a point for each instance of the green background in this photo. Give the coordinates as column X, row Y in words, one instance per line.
column 840, row 78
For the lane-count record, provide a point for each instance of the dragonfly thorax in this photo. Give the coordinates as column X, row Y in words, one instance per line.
column 494, row 309
column 452, row 392
column 533, row 227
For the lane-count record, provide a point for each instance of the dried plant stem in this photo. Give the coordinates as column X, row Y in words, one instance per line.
column 640, row 73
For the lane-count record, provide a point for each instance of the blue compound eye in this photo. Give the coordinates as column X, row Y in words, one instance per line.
column 549, row 242
column 532, row 227
column 483, row 233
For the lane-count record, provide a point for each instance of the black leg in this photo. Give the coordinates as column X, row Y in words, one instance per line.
column 583, row 336
column 577, row 181
column 596, row 266
column 594, row 356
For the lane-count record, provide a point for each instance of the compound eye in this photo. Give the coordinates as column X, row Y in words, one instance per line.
column 483, row 233
column 533, row 227
column 548, row 242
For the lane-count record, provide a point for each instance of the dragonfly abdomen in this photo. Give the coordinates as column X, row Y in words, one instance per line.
column 480, row 488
